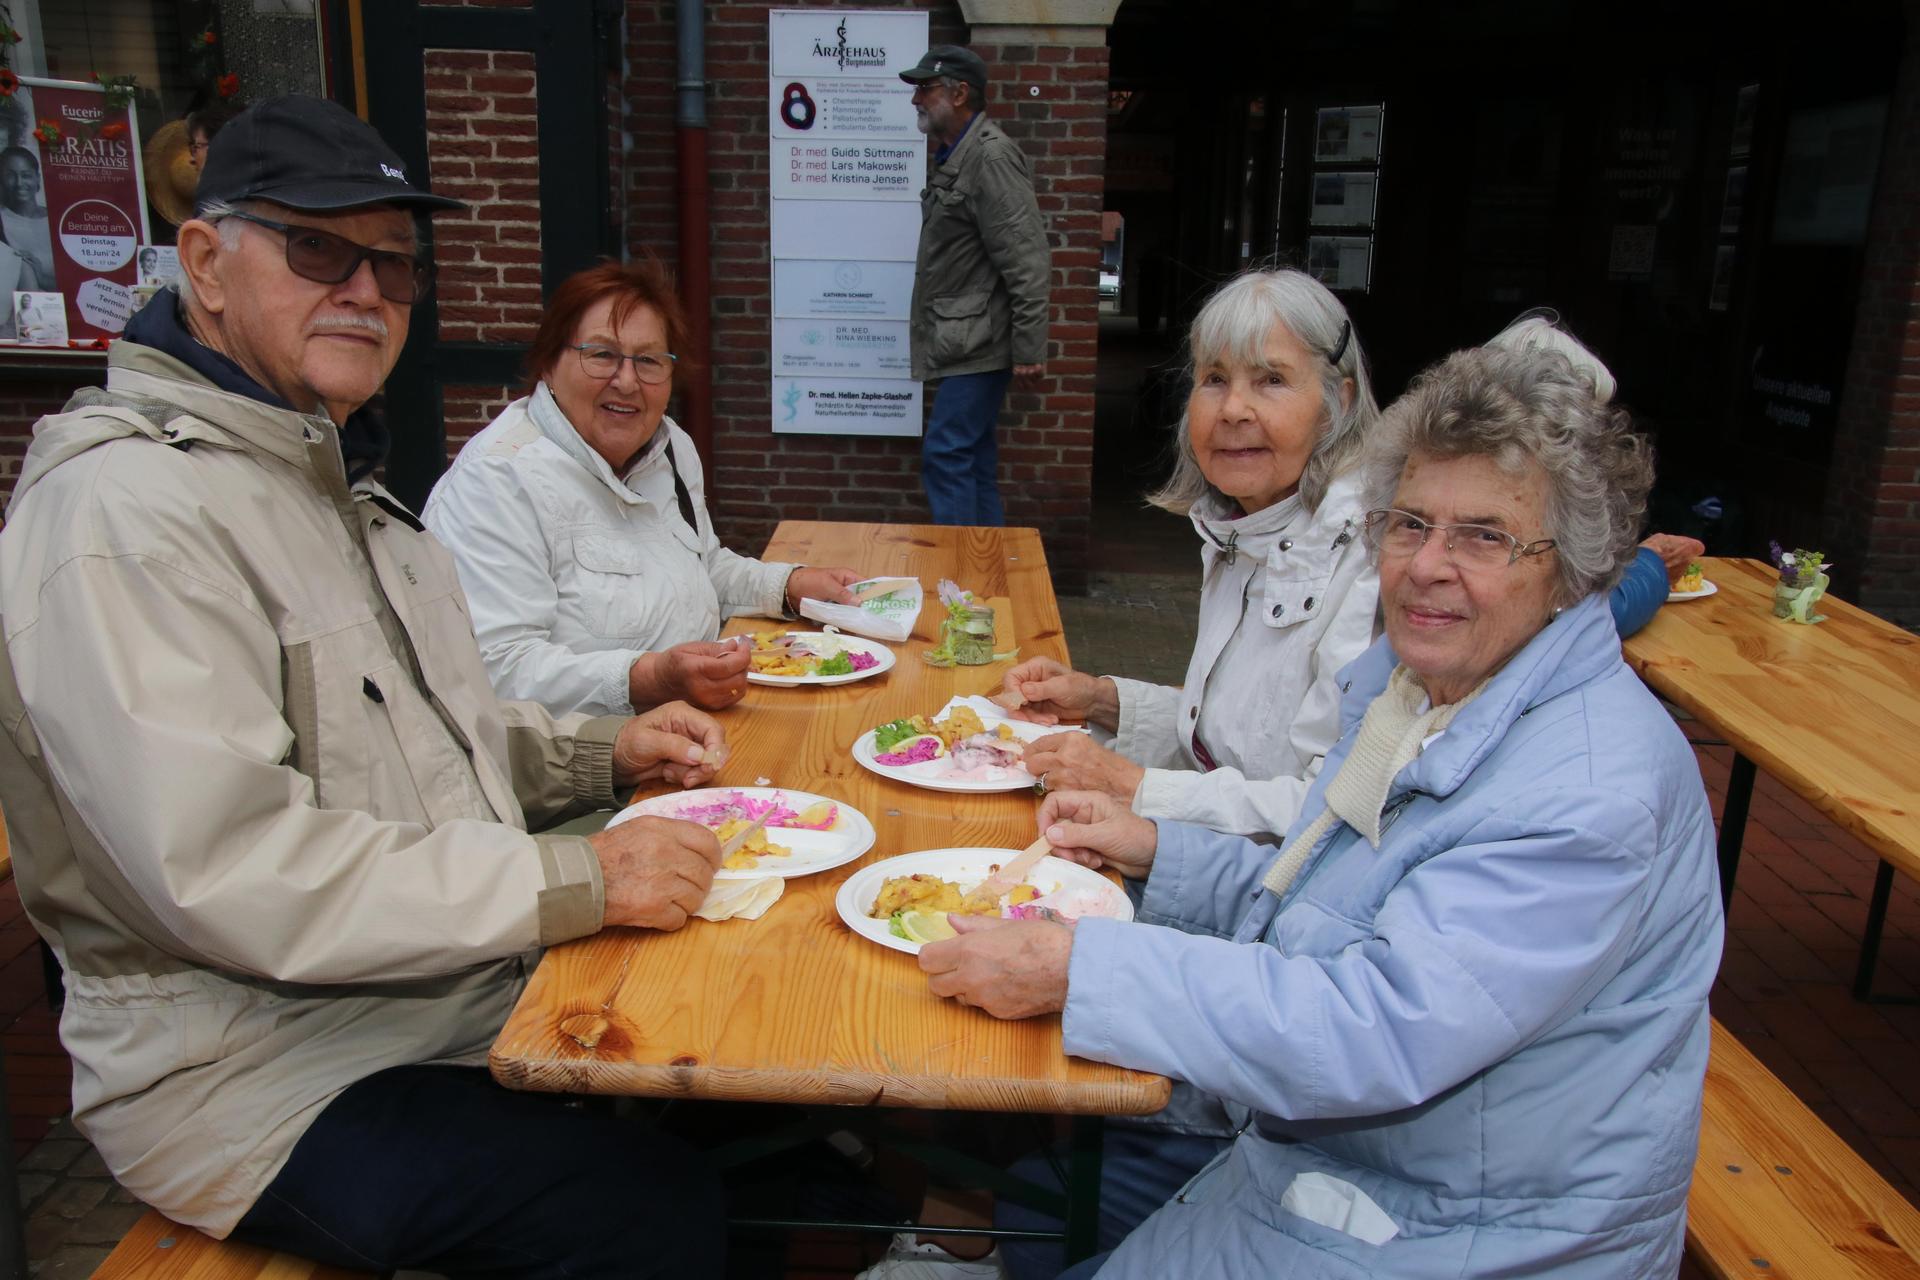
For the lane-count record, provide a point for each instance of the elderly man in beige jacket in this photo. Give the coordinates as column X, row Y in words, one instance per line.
column 264, row 804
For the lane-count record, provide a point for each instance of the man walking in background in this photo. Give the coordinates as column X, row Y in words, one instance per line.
column 979, row 285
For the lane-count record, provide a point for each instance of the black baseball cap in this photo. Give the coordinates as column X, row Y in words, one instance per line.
column 309, row 154
column 948, row 60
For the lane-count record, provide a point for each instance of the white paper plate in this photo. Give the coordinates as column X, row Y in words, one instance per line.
column 1706, row 589
column 850, row 835
column 966, row 868
column 852, row 644
column 931, row 773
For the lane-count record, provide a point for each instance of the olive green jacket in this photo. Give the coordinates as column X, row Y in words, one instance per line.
column 263, row 802
column 981, row 278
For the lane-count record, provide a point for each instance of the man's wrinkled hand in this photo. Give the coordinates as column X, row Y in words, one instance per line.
column 673, row 742
column 1074, row 762
column 1010, row 968
column 1096, row 830
column 655, row 871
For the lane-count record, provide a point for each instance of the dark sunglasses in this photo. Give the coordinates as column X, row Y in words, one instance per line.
column 325, row 258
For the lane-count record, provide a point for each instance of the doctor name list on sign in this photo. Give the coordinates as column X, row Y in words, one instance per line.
column 856, row 165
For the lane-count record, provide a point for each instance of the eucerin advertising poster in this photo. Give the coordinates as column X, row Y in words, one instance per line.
column 847, row 167
column 73, row 207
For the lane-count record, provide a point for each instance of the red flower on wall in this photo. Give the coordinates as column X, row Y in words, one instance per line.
column 48, row 132
column 208, row 37
column 227, row 85
column 9, row 82
column 117, row 129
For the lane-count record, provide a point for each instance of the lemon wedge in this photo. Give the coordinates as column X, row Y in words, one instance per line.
column 925, row 926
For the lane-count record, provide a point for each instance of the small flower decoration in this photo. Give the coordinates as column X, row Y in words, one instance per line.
column 115, row 129
column 208, row 37
column 1798, row 567
column 9, row 83
column 7, row 34
column 48, row 133
column 227, row 85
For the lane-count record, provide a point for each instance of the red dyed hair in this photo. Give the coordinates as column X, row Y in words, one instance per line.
column 641, row 283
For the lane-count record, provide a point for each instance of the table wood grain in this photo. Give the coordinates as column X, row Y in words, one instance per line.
column 1831, row 710
column 794, row 1007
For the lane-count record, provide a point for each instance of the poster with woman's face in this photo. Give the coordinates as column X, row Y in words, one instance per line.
column 72, row 204
column 23, row 214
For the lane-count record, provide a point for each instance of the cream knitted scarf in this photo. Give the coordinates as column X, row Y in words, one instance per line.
column 1391, row 735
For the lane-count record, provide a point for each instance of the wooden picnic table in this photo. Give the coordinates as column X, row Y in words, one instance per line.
column 1832, row 710
column 795, row 1007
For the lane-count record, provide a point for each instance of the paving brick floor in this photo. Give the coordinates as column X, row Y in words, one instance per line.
column 1792, row 943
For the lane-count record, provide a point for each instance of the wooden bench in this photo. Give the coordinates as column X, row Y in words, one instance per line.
column 1778, row 1196
column 157, row 1249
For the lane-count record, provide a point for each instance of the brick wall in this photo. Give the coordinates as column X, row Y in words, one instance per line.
column 24, row 402
column 481, row 148
column 760, row 478
column 466, row 409
column 1873, row 489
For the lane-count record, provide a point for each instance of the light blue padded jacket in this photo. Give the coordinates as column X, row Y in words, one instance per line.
column 1494, row 1026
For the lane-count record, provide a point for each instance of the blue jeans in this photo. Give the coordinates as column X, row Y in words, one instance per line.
column 960, row 456
column 440, row 1169
column 1141, row 1168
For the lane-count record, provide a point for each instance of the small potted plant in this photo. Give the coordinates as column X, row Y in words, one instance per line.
column 1803, row 580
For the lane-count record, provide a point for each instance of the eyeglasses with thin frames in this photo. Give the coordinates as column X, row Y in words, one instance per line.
column 1399, row 535
column 602, row 364
column 325, row 258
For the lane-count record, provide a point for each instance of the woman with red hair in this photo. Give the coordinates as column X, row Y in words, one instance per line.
column 578, row 519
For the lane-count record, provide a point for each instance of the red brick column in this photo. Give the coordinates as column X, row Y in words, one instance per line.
column 1873, row 490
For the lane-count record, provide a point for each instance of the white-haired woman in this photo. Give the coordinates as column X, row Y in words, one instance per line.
column 1462, row 1017
column 1279, row 408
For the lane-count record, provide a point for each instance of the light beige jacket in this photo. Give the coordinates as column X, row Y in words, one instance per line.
column 263, row 802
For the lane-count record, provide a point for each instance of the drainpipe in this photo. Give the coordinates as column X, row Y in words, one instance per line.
column 696, row 278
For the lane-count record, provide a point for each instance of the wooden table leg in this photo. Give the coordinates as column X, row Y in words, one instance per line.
column 1083, row 1188
column 1733, row 824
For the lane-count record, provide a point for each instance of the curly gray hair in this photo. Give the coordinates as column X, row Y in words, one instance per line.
column 1530, row 408
column 1232, row 328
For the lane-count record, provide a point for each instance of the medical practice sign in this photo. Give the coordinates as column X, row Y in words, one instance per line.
column 846, row 166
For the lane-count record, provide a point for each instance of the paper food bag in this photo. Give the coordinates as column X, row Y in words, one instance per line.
column 888, row 612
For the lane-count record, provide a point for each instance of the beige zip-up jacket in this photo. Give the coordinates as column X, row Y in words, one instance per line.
column 263, row 802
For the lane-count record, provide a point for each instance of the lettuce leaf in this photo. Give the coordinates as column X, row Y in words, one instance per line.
column 888, row 735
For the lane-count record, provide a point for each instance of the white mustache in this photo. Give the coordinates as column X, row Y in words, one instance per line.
column 348, row 321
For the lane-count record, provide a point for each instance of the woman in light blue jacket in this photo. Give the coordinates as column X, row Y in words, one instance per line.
column 1462, row 1017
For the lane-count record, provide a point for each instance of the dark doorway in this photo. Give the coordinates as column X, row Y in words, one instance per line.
column 572, row 43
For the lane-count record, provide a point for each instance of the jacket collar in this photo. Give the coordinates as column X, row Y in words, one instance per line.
column 977, row 128
column 160, row 326
column 1261, row 533
column 555, row 426
column 1575, row 649
column 940, row 156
